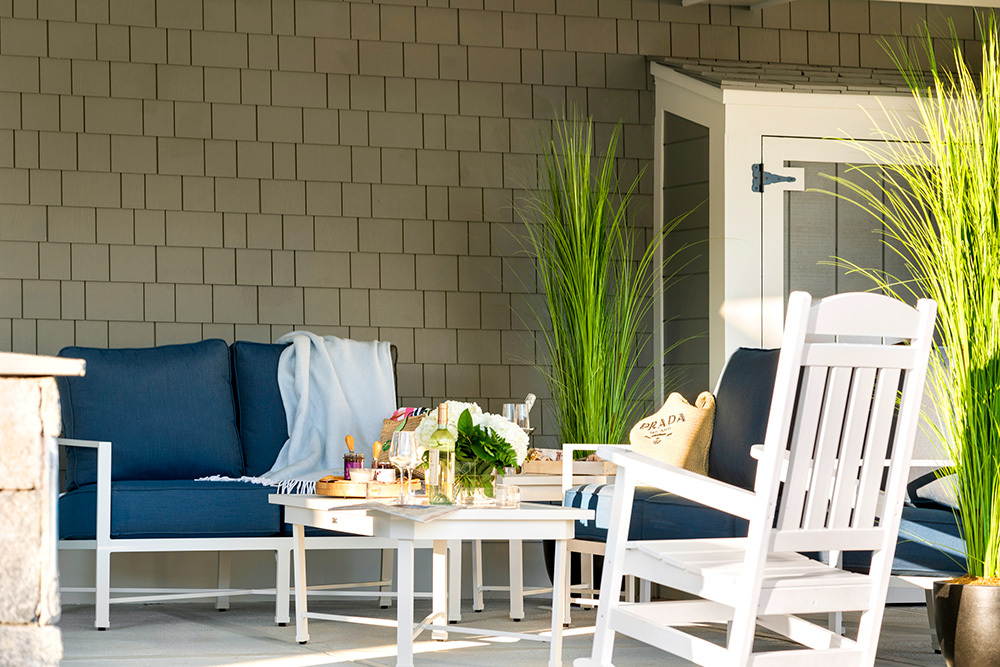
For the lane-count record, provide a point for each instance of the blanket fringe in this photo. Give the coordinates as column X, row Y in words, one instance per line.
column 297, row 486
column 282, row 486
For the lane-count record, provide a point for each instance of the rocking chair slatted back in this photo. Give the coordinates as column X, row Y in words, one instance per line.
column 844, row 388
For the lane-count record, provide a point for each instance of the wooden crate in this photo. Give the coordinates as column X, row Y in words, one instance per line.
column 579, row 468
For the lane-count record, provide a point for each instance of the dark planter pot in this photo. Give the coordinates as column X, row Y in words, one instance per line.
column 968, row 624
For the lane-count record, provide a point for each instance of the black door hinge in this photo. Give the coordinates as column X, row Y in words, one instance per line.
column 762, row 178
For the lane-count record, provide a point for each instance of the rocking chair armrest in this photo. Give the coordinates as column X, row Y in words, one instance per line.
column 691, row 485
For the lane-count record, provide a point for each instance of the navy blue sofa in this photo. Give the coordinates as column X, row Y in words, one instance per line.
column 173, row 414
column 929, row 542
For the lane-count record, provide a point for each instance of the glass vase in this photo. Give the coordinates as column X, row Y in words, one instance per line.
column 474, row 483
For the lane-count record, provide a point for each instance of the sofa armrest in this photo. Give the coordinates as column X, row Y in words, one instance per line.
column 103, row 448
column 568, row 450
column 691, row 485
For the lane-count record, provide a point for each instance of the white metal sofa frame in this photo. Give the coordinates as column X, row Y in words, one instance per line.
column 104, row 546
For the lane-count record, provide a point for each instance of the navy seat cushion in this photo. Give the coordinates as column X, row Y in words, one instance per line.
column 929, row 545
column 671, row 517
column 173, row 508
column 742, row 405
column 168, row 412
column 262, row 422
column 655, row 515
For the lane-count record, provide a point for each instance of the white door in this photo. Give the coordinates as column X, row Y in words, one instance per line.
column 806, row 227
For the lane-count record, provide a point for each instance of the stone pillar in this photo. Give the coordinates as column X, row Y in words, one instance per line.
column 29, row 581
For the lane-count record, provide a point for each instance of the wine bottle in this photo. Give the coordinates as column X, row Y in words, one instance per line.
column 441, row 459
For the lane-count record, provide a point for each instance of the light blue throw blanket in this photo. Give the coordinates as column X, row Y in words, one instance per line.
column 331, row 388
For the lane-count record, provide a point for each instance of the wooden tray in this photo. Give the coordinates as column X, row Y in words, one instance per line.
column 579, row 468
column 346, row 489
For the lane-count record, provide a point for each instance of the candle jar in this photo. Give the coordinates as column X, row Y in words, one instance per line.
column 352, row 461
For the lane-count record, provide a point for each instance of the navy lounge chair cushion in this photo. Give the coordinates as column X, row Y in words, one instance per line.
column 741, row 410
column 173, row 508
column 667, row 516
column 597, row 497
column 655, row 515
column 262, row 422
column 168, row 412
column 929, row 545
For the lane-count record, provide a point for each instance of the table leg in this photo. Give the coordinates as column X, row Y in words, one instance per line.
column 477, row 575
column 301, row 622
column 455, row 581
column 439, row 588
column 560, row 593
column 387, row 556
column 404, row 604
column 516, row 580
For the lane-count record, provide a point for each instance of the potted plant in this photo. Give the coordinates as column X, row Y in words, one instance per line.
column 598, row 278
column 937, row 189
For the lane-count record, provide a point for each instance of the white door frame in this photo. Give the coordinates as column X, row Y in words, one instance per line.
column 740, row 279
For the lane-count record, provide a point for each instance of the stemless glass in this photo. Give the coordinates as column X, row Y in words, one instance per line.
column 403, row 455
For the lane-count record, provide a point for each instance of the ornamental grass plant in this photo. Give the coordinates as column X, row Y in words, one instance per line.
column 936, row 186
column 599, row 276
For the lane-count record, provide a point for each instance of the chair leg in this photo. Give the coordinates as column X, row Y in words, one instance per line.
column 222, row 601
column 613, row 572
column 477, row 575
column 388, row 555
column 454, row 557
column 282, row 586
column 102, row 589
column 935, row 641
column 739, row 637
column 629, row 588
column 835, row 622
column 587, row 574
column 516, row 580
column 645, row 590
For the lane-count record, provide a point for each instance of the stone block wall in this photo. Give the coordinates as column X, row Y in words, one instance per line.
column 172, row 170
column 29, row 586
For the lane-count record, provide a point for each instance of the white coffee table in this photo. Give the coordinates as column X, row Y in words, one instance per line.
column 529, row 521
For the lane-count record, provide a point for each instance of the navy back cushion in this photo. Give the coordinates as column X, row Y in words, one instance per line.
column 168, row 412
column 742, row 404
column 263, row 425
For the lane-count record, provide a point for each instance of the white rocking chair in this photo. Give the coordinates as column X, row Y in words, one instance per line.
column 832, row 424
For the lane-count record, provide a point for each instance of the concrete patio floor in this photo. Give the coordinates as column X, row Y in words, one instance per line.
column 196, row 634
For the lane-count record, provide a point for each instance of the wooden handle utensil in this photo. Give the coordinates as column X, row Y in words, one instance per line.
column 376, row 450
column 350, row 443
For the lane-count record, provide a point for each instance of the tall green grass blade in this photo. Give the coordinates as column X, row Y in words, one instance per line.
column 598, row 285
column 936, row 186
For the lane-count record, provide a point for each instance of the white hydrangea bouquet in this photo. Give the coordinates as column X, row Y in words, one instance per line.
column 484, row 443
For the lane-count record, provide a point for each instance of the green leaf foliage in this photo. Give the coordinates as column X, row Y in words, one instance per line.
column 475, row 443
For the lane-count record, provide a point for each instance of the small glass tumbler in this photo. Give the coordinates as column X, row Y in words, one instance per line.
column 507, row 495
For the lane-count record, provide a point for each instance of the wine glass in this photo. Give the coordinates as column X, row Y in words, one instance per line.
column 403, row 455
column 518, row 413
